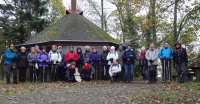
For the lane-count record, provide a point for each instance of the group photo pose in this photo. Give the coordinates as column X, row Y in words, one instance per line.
column 43, row 64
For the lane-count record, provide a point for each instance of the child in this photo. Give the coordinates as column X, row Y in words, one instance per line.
column 86, row 73
column 114, row 70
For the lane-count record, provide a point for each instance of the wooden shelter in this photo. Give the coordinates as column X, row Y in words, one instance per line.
column 72, row 30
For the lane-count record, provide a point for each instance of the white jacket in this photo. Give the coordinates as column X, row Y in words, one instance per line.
column 55, row 56
column 114, row 69
column 152, row 55
column 112, row 55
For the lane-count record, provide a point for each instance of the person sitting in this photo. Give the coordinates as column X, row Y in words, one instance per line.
column 115, row 69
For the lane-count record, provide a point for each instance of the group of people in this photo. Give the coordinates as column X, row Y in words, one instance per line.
column 88, row 63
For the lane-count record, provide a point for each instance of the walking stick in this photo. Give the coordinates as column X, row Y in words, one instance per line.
column 43, row 73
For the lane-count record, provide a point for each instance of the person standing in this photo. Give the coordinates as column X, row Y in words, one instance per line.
column 95, row 61
column 152, row 58
column 33, row 65
column 43, row 63
column 143, row 63
column 166, row 55
column 129, row 57
column 9, row 57
column 80, row 61
column 22, row 64
column 87, row 53
column 62, row 68
column 105, row 65
column 55, row 60
column 180, row 61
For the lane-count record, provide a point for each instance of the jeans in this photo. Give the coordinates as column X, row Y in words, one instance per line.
column 129, row 72
column 8, row 72
column 166, row 69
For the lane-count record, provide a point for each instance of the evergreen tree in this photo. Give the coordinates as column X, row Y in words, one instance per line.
column 19, row 17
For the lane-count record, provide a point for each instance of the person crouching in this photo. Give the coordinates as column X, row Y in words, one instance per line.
column 71, row 71
column 115, row 70
column 86, row 73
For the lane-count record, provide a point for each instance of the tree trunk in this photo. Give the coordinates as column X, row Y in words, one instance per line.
column 102, row 14
column 175, row 21
column 153, row 19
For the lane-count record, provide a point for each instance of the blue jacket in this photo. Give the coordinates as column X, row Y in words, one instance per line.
column 94, row 57
column 43, row 59
column 9, row 56
column 166, row 53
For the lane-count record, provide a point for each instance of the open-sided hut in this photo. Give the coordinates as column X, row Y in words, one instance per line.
column 72, row 30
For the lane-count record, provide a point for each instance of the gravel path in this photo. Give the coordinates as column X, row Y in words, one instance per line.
column 82, row 93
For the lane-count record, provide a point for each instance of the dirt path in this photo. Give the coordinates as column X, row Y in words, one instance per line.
column 82, row 93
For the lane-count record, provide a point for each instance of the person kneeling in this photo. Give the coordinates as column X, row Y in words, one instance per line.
column 74, row 75
column 86, row 73
column 115, row 70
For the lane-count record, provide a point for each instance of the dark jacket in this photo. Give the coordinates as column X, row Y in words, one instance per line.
column 104, row 57
column 22, row 60
column 86, row 56
column 94, row 57
column 80, row 55
column 129, row 56
column 180, row 56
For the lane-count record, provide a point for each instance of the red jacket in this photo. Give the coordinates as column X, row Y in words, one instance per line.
column 71, row 56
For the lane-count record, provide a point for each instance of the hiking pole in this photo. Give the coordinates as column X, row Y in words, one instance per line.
column 43, row 73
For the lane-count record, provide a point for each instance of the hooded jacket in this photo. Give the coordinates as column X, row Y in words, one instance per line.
column 80, row 55
column 43, row 59
column 94, row 57
column 129, row 56
column 71, row 56
column 55, row 57
column 112, row 56
column 152, row 56
column 166, row 53
column 9, row 56
column 180, row 56
column 32, row 58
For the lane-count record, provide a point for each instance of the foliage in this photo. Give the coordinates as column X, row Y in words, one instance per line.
column 20, row 17
column 57, row 10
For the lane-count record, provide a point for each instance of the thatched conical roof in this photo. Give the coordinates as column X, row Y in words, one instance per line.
column 72, row 27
